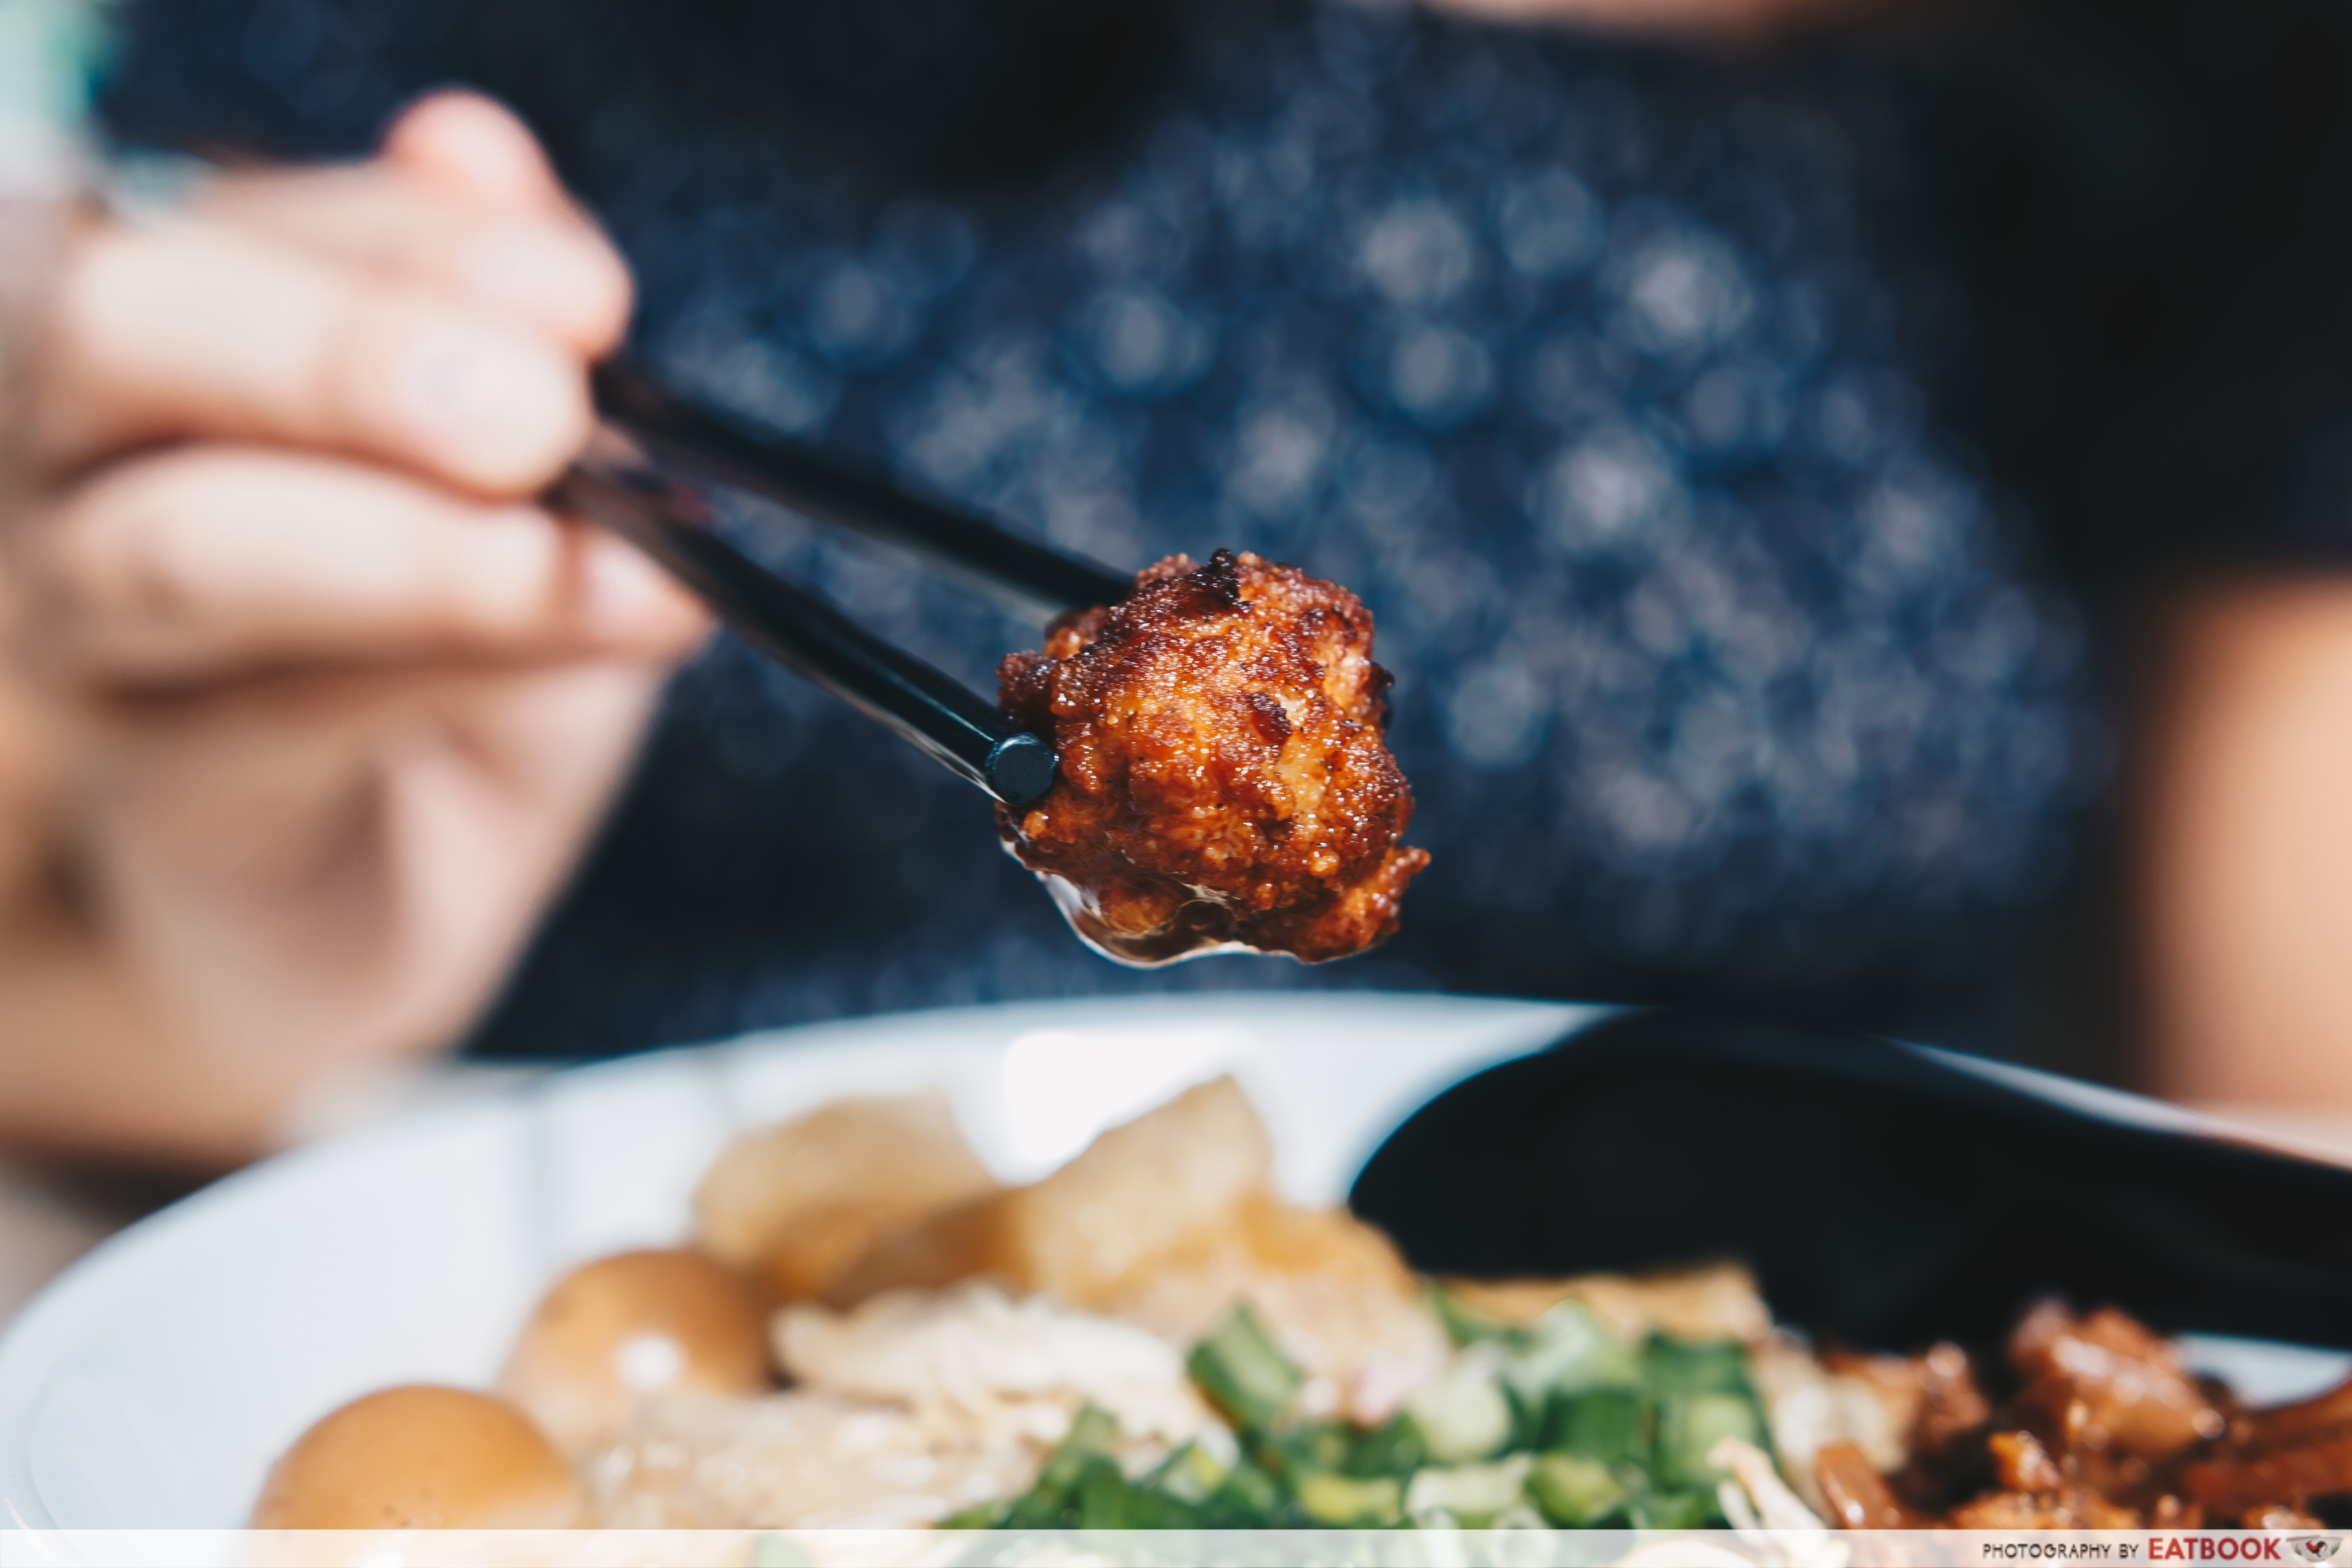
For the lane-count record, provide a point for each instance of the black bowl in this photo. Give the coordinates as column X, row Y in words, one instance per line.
column 1888, row 1195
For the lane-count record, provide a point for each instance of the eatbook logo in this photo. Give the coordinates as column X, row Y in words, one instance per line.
column 2314, row 1548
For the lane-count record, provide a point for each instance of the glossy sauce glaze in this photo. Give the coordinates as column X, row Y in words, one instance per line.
column 1225, row 785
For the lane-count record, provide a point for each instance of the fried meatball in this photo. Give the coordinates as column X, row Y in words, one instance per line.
column 1224, row 783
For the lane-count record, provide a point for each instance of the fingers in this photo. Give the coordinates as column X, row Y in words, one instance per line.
column 206, row 331
column 543, row 256
column 434, row 309
column 475, row 148
column 206, row 561
column 464, row 198
column 544, row 266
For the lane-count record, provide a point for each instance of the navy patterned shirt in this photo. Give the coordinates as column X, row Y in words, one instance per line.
column 1724, row 666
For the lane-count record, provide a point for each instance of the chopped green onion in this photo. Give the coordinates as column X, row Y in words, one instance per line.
column 1562, row 1423
column 1056, row 1500
column 1694, row 1367
column 1189, row 1475
column 1575, row 1491
column 1310, row 1447
column 1248, row 1497
column 1345, row 1502
column 1461, row 1412
column 1108, row 1500
column 1471, row 1494
column 1396, row 1448
column 1691, row 1425
column 1568, row 1350
column 1242, row 1371
column 1610, row 1424
column 1090, row 1435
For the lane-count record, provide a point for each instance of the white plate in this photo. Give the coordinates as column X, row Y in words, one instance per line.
column 150, row 1386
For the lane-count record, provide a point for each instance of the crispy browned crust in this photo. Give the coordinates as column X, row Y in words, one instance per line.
column 1224, row 779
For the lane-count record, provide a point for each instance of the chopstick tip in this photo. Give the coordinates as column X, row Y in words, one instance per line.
column 1019, row 769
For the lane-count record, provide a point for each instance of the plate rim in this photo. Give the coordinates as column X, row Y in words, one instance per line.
column 40, row 1338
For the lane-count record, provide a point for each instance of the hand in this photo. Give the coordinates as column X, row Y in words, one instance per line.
column 317, row 707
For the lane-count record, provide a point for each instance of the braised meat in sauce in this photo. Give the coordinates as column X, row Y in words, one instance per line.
column 1225, row 784
column 2106, row 1430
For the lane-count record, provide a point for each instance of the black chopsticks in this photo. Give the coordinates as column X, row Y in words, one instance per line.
column 670, row 523
column 714, row 445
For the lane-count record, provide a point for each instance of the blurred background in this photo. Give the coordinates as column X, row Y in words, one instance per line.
column 1854, row 496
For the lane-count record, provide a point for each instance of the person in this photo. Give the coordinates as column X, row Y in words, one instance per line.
column 286, row 798
column 1592, row 364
